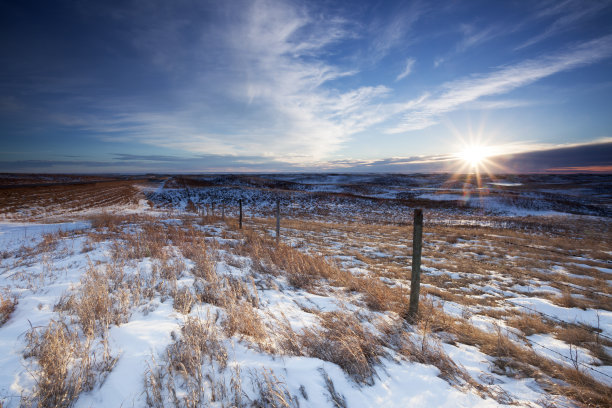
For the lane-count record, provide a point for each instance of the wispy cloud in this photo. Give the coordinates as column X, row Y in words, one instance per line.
column 567, row 15
column 473, row 36
column 456, row 94
column 269, row 81
column 504, row 104
column 387, row 33
column 519, row 157
column 407, row 70
column 270, row 65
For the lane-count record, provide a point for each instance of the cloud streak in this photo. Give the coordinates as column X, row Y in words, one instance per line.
column 407, row 70
column 455, row 94
column 595, row 156
column 293, row 84
column 269, row 65
column 568, row 14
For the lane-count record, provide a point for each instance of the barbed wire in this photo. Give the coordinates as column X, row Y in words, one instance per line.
column 574, row 362
column 563, row 322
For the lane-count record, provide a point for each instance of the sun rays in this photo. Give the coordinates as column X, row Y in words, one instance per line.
column 474, row 156
column 474, row 162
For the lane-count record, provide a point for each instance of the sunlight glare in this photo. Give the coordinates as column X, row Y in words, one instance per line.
column 474, row 155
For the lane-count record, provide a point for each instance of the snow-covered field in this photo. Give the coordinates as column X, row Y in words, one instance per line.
column 155, row 297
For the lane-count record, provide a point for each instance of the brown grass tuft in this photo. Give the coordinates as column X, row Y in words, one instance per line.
column 192, row 372
column 343, row 340
column 530, row 323
column 242, row 318
column 100, row 300
column 272, row 392
column 183, row 300
column 307, row 271
column 8, row 303
column 65, row 365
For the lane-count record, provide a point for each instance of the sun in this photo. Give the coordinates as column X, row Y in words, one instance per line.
column 474, row 155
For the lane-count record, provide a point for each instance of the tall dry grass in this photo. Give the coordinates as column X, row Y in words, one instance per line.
column 104, row 298
column 8, row 303
column 342, row 340
column 65, row 364
column 515, row 359
column 306, row 271
column 192, row 372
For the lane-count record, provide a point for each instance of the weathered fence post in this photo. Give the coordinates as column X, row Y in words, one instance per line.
column 240, row 217
column 223, row 211
column 415, row 280
column 277, row 220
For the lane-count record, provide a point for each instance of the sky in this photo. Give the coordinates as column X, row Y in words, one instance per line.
column 275, row 85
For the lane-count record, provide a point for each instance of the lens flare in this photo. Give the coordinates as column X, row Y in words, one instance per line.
column 474, row 156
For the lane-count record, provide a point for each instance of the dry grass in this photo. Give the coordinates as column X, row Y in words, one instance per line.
column 343, row 340
column 530, row 323
column 106, row 220
column 308, row 271
column 200, row 341
column 567, row 300
column 194, row 370
column 463, row 248
column 8, row 303
column 584, row 337
column 43, row 201
column 184, row 299
column 338, row 400
column 286, row 339
column 514, row 359
column 103, row 299
column 272, row 392
column 183, row 370
column 65, row 365
column 242, row 318
column 426, row 349
column 345, row 347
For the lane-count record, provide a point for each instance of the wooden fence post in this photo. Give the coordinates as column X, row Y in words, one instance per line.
column 415, row 279
column 240, row 217
column 223, row 211
column 277, row 220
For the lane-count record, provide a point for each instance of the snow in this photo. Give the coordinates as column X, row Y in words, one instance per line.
column 477, row 364
column 140, row 344
column 506, row 184
column 444, row 197
column 14, row 235
column 562, row 353
column 594, row 318
column 399, row 384
column 135, row 341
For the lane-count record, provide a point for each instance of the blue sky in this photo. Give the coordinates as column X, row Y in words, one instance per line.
column 195, row 86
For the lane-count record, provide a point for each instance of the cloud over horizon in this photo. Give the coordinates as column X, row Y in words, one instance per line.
column 586, row 158
column 293, row 84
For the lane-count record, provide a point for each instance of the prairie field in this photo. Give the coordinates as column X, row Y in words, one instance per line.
column 148, row 291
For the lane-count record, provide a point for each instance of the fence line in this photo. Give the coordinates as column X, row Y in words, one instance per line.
column 563, row 322
column 574, row 362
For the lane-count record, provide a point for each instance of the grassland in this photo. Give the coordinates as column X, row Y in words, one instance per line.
column 145, row 292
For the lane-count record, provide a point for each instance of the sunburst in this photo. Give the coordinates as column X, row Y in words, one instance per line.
column 474, row 156
column 473, row 160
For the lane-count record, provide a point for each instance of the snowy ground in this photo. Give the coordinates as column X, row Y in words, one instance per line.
column 267, row 334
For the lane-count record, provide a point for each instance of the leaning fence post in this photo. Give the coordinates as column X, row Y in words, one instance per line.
column 240, row 217
column 277, row 220
column 415, row 279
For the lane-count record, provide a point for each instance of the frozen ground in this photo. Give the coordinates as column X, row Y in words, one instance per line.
column 275, row 336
